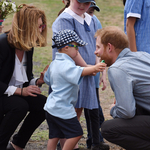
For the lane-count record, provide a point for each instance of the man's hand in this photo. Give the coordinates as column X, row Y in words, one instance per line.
column 112, row 105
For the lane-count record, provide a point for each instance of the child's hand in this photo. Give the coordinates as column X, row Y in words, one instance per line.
column 100, row 67
column 92, row 70
column 40, row 81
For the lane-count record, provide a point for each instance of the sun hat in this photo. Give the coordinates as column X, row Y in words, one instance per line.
column 84, row 1
column 62, row 38
column 93, row 5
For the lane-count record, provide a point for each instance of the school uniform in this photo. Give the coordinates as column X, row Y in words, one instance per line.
column 141, row 10
column 86, row 111
column 62, row 100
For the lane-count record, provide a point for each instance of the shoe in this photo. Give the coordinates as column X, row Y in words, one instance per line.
column 9, row 146
column 104, row 146
column 101, row 146
column 95, row 147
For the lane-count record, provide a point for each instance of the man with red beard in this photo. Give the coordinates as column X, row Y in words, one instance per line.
column 129, row 77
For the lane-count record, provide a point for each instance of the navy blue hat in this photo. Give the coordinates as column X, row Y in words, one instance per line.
column 93, row 5
column 62, row 38
column 84, row 1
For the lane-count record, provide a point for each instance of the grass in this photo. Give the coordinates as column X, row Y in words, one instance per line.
column 111, row 14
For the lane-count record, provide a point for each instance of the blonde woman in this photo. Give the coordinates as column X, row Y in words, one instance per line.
column 19, row 91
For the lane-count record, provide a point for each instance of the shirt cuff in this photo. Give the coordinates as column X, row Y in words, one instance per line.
column 33, row 81
column 10, row 90
column 135, row 15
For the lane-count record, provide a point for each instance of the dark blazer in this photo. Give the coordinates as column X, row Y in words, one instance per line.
column 7, row 62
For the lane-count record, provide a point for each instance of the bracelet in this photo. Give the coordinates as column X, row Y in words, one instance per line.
column 21, row 91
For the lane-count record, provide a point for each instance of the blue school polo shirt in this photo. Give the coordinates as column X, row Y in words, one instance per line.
column 139, row 9
column 63, row 76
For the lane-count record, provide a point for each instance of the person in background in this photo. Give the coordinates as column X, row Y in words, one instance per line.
column 20, row 95
column 129, row 78
column 98, row 81
column 136, row 24
column 60, row 113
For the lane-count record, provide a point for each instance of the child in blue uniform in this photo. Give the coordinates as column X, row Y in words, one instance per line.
column 64, row 76
column 98, row 81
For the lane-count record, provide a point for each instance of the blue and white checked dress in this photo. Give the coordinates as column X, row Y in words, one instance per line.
column 69, row 20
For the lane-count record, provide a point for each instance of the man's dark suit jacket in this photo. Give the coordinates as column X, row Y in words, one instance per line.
column 7, row 63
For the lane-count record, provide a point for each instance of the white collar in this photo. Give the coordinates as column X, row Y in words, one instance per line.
column 87, row 18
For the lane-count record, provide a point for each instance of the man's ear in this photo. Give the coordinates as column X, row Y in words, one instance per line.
column 111, row 47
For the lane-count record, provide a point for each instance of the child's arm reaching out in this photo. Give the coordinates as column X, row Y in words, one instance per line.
column 100, row 67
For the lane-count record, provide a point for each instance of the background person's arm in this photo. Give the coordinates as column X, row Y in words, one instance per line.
column 103, row 80
column 131, row 33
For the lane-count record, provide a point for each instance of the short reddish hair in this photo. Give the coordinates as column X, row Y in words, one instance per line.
column 113, row 35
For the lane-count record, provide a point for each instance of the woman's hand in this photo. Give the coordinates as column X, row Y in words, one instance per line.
column 31, row 90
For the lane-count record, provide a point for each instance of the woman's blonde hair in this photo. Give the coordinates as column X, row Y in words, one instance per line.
column 25, row 33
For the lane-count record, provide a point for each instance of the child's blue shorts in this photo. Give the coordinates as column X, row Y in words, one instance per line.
column 63, row 128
